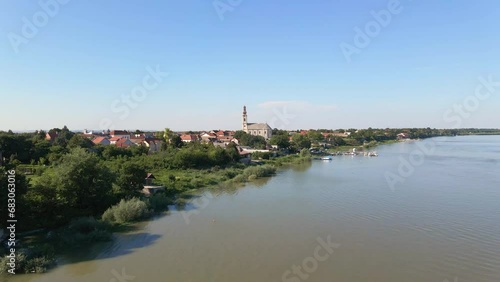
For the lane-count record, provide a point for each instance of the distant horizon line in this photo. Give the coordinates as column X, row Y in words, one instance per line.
column 150, row 130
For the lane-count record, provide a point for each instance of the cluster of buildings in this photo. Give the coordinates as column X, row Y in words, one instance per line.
column 118, row 138
column 214, row 136
column 125, row 139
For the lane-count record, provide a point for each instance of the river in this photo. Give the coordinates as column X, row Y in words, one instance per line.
column 338, row 220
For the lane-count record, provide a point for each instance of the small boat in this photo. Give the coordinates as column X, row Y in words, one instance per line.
column 326, row 158
column 373, row 154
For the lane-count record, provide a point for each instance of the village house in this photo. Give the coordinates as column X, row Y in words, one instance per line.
column 101, row 140
column 208, row 137
column 120, row 133
column 124, row 143
column 340, row 134
column 154, row 144
column 113, row 140
column 149, row 187
column 188, row 138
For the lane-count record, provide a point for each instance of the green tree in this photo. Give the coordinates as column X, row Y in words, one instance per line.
column 110, row 152
column 301, row 141
column 130, row 179
column 56, row 153
column 41, row 149
column 82, row 183
column 79, row 141
column 338, row 141
column 233, row 152
column 19, row 146
column 168, row 134
column 258, row 142
column 139, row 150
column 239, row 134
column 282, row 141
column 63, row 137
column 219, row 156
column 176, row 141
column 315, row 136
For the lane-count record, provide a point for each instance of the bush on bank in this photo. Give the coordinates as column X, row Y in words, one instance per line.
column 127, row 211
column 81, row 232
column 30, row 261
column 159, row 202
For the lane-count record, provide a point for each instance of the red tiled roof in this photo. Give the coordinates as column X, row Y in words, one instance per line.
column 224, row 138
column 98, row 140
column 137, row 140
column 122, row 143
column 116, row 138
column 189, row 137
column 119, row 132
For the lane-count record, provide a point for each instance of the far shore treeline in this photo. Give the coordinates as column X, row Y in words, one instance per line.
column 74, row 192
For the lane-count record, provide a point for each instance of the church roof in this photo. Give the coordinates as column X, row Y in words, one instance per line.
column 259, row 126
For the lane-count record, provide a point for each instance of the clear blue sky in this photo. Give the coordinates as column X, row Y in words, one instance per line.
column 272, row 56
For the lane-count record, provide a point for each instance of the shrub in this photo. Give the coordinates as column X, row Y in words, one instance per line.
column 30, row 261
column 126, row 211
column 259, row 171
column 196, row 183
column 230, row 173
column 239, row 178
column 252, row 177
column 82, row 231
column 305, row 153
column 159, row 202
column 86, row 225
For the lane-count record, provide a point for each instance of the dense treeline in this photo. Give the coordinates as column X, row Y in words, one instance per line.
column 74, row 178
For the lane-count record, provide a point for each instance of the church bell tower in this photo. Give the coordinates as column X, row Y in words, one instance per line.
column 245, row 119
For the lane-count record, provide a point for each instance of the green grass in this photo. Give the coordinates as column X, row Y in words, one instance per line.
column 372, row 144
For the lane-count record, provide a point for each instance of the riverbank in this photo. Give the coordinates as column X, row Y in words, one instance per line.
column 361, row 148
column 38, row 251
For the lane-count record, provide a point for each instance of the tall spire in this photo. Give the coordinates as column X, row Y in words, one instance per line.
column 245, row 120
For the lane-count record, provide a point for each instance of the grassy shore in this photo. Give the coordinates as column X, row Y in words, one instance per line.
column 180, row 181
column 360, row 148
column 40, row 249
